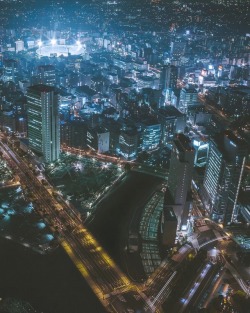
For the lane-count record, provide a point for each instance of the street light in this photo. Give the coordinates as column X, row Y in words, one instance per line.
column 53, row 41
column 39, row 43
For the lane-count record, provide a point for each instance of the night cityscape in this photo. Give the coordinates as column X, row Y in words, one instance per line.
column 125, row 156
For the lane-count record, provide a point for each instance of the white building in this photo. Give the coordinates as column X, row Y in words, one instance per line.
column 19, row 46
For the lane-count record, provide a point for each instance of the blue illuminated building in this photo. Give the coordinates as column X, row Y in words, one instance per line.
column 151, row 136
column 226, row 160
column 128, row 144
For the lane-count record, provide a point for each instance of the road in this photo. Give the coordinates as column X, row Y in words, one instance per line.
column 193, row 288
column 227, row 249
column 135, row 166
column 104, row 277
column 211, row 109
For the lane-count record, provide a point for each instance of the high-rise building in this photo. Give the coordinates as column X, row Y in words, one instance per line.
column 128, row 144
column 10, row 70
column 201, row 151
column 188, row 97
column 46, row 75
column 168, row 78
column 177, row 48
column 180, row 176
column 172, row 121
column 223, row 176
column 151, row 135
column 98, row 139
column 73, row 134
column 43, row 121
column 168, row 226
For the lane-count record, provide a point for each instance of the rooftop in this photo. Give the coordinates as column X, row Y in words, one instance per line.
column 183, row 143
column 169, row 214
column 170, row 111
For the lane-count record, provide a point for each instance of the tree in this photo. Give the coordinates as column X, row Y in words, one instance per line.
column 127, row 167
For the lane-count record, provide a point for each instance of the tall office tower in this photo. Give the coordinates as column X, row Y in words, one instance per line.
column 223, row 176
column 180, row 176
column 46, row 75
column 43, row 121
column 169, row 75
column 168, row 82
column 10, row 70
column 128, row 144
column 177, row 48
column 188, row 97
column 151, row 135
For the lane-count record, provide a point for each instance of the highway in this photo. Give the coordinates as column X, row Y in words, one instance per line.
column 194, row 287
column 111, row 286
column 211, row 109
column 237, row 277
column 114, row 290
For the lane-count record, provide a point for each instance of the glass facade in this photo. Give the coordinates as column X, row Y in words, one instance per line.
column 223, row 176
column 43, row 121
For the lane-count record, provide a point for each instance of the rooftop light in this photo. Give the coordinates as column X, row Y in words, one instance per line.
column 53, row 41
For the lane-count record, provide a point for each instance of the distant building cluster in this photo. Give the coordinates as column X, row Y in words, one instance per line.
column 164, row 97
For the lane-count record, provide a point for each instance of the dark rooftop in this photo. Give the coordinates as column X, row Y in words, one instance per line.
column 170, row 111
column 41, row 88
column 183, row 142
column 232, row 137
column 169, row 214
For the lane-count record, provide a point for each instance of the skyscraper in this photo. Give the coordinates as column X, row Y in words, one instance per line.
column 168, row 82
column 43, row 121
column 46, row 75
column 188, row 98
column 10, row 70
column 169, row 75
column 223, row 176
column 128, row 143
column 180, row 176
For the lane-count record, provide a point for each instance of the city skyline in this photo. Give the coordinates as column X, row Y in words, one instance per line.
column 125, row 156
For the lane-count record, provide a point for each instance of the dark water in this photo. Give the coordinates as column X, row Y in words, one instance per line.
column 51, row 283
column 113, row 215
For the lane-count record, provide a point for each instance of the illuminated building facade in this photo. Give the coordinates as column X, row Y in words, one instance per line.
column 128, row 144
column 223, row 176
column 168, row 78
column 10, row 71
column 43, row 121
column 151, row 136
column 188, row 97
column 98, row 139
column 46, row 75
column 201, row 152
